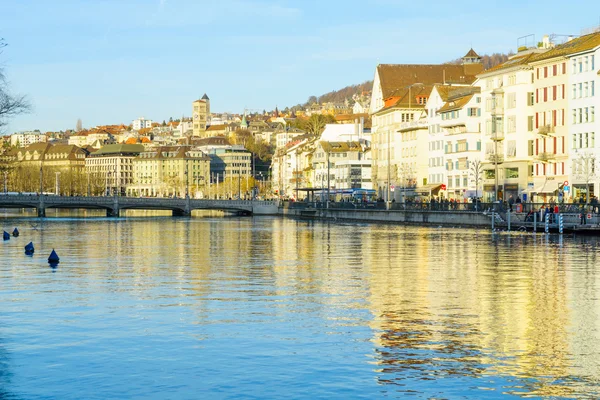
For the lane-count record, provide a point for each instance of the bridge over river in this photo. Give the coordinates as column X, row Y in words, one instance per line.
column 114, row 204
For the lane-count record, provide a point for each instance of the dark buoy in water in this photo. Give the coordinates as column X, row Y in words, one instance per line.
column 53, row 259
column 5, row 235
column 29, row 248
column 16, row 232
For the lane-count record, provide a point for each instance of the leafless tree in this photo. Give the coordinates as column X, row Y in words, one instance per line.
column 476, row 172
column 10, row 104
column 585, row 170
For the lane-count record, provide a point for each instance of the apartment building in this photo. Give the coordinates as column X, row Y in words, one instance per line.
column 583, row 71
column 399, row 121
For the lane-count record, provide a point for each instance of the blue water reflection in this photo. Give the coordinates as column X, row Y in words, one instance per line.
column 271, row 308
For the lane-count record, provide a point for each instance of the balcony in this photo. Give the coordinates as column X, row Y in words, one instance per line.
column 495, row 158
column 497, row 136
column 546, row 157
column 497, row 109
column 546, row 130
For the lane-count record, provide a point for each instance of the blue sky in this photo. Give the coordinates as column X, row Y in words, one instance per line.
column 112, row 61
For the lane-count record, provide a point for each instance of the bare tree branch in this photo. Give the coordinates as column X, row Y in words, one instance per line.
column 10, row 105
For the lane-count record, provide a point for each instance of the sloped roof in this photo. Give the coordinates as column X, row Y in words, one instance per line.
column 401, row 97
column 577, row 45
column 444, row 91
column 170, row 152
column 120, row 148
column 216, row 128
column 512, row 62
column 394, row 77
column 212, row 141
column 471, row 54
column 340, row 147
column 456, row 104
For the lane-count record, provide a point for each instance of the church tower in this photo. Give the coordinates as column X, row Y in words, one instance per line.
column 200, row 115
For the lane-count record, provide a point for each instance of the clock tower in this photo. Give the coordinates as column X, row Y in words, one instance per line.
column 200, row 115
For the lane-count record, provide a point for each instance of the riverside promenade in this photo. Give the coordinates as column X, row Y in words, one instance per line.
column 524, row 217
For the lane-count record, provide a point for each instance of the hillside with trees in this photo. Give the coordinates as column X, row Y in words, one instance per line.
column 364, row 89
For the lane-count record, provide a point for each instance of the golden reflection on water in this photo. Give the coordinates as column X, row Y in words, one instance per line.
column 444, row 302
column 457, row 304
column 518, row 312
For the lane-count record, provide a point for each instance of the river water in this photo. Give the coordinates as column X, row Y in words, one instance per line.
column 187, row 308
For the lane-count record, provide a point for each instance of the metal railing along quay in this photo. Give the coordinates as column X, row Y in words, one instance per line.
column 517, row 208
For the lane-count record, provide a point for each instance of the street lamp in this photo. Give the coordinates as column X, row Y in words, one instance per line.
column 57, row 184
column 187, row 181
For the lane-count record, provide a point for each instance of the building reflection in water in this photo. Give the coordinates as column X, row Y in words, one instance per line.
column 453, row 306
column 447, row 311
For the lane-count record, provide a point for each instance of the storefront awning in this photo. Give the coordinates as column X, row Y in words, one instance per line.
column 542, row 190
column 428, row 189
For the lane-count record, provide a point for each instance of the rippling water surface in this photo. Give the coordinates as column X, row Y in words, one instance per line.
column 188, row 308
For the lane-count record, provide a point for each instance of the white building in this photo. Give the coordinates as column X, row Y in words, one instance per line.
column 24, row 139
column 359, row 108
column 507, row 93
column 550, row 146
column 400, row 93
column 437, row 155
column 114, row 164
column 141, row 123
column 583, row 71
column 461, row 122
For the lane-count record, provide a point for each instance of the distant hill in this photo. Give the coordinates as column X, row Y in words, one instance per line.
column 348, row 92
column 363, row 90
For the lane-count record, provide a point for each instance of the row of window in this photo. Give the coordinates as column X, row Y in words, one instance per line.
column 550, row 169
column 509, row 173
column 583, row 64
column 409, row 152
column 436, row 162
column 551, row 145
column 459, row 147
column 435, row 145
column 585, row 140
column 583, row 115
column 585, row 167
column 550, row 118
column 455, row 182
column 458, row 165
column 550, row 93
column 583, row 89
column 551, row 70
column 450, row 115
column 436, row 178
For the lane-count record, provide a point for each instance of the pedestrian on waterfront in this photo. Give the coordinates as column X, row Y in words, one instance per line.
column 583, row 216
column 518, row 201
column 511, row 201
column 594, row 202
column 551, row 213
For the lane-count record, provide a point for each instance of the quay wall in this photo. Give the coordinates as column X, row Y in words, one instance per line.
column 456, row 218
